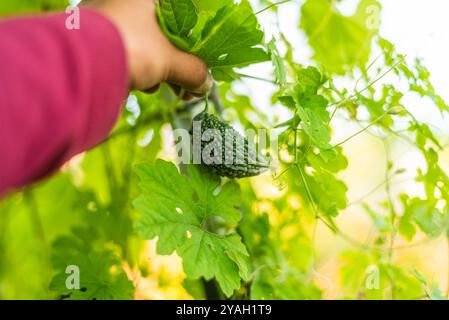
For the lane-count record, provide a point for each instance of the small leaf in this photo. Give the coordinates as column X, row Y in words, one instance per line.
column 179, row 15
column 278, row 63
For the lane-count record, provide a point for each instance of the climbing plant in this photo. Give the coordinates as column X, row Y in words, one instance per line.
column 107, row 206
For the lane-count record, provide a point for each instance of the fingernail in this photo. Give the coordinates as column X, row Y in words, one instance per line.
column 206, row 86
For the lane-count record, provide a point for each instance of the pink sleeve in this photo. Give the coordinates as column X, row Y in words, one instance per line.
column 60, row 92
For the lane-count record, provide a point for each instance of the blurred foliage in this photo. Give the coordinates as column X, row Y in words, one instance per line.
column 8, row 8
column 340, row 42
column 85, row 216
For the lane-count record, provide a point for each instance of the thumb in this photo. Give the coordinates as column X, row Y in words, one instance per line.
column 189, row 72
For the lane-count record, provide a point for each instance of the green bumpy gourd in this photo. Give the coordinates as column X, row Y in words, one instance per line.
column 233, row 146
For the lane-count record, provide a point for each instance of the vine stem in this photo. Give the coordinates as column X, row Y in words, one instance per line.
column 362, row 130
column 370, row 65
column 38, row 229
column 309, row 193
column 109, row 167
column 313, row 204
column 392, row 217
column 303, row 178
column 206, row 105
column 256, row 78
column 271, row 6
column 339, row 103
column 374, row 189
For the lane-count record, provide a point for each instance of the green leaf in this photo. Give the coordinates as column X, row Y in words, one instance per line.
column 225, row 74
column 214, row 6
column 230, row 37
column 179, row 15
column 177, row 210
column 309, row 81
column 268, row 285
column 359, row 266
column 100, row 272
column 314, row 121
column 423, row 213
column 434, row 292
column 278, row 63
column 311, row 107
column 329, row 192
column 406, row 227
column 224, row 35
column 424, row 135
column 168, row 21
column 331, row 160
column 97, row 282
column 287, row 101
column 339, row 42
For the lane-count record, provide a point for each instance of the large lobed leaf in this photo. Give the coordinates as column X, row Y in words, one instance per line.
column 177, row 209
column 229, row 38
column 224, row 35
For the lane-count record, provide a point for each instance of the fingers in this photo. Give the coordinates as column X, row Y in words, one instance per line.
column 187, row 96
column 190, row 73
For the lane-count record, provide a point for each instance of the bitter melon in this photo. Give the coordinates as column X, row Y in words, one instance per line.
column 238, row 158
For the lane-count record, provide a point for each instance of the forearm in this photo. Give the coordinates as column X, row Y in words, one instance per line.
column 60, row 92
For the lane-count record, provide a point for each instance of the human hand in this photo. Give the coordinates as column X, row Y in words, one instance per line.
column 152, row 59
